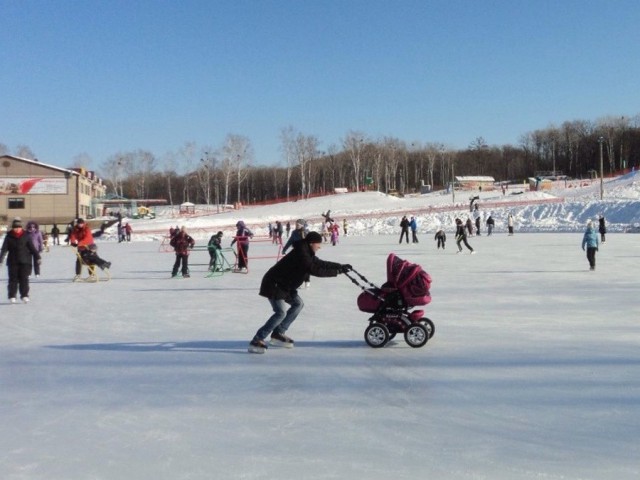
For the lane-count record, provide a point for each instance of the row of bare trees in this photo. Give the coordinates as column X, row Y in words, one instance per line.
column 227, row 174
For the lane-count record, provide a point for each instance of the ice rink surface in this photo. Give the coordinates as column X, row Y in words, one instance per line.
column 532, row 372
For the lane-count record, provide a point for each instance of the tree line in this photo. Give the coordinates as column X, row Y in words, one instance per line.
column 227, row 174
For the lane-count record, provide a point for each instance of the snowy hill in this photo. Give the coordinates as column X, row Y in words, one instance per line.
column 565, row 208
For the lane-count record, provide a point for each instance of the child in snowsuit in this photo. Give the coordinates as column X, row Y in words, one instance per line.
column 214, row 246
column 182, row 243
column 243, row 234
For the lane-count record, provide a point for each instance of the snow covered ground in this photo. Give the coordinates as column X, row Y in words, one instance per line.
column 532, row 372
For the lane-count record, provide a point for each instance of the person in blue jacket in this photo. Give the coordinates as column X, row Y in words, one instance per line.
column 590, row 243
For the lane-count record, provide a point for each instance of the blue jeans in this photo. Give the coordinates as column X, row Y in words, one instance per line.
column 280, row 321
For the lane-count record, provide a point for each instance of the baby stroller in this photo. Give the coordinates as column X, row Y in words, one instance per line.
column 407, row 286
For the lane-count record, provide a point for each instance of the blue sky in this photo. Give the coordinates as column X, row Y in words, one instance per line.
column 102, row 77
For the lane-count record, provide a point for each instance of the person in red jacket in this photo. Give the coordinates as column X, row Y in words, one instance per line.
column 19, row 250
column 82, row 238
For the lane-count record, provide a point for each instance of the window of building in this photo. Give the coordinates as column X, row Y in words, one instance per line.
column 15, row 203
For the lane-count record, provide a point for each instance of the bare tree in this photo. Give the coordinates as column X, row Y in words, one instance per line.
column 353, row 143
column 169, row 169
column 287, row 137
column 187, row 156
column 305, row 148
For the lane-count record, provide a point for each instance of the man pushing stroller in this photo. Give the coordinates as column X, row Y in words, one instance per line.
column 280, row 285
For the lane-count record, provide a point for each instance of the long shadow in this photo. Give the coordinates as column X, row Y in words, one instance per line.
column 224, row 346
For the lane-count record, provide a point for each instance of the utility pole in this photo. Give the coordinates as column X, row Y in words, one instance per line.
column 601, row 141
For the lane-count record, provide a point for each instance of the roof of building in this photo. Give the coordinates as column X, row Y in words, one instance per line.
column 479, row 178
column 46, row 165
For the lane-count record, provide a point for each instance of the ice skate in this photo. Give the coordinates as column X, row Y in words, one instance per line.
column 12, row 300
column 281, row 340
column 257, row 346
column 25, row 299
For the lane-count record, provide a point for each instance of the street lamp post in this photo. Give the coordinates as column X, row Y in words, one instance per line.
column 601, row 141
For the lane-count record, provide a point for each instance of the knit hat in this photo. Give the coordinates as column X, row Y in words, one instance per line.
column 313, row 237
column 219, row 234
column 80, row 220
column 17, row 223
column 300, row 223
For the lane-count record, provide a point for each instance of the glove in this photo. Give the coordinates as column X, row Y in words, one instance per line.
column 345, row 268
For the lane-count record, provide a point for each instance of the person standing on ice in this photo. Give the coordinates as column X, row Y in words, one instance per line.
column 19, row 250
column 510, row 224
column 280, row 286
column 182, row 244
column 590, row 241
column 441, row 237
column 414, row 230
column 461, row 236
column 243, row 234
column 404, row 229
column 490, row 224
column 602, row 228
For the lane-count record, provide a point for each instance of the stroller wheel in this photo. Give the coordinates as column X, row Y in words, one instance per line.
column 428, row 324
column 376, row 335
column 416, row 335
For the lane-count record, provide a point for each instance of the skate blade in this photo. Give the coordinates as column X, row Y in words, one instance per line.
column 278, row 343
column 253, row 349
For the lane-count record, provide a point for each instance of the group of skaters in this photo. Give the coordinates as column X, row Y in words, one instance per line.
column 23, row 247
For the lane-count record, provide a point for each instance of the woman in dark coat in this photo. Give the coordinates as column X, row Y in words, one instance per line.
column 20, row 251
column 280, row 285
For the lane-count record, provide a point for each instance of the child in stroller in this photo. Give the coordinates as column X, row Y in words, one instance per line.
column 407, row 286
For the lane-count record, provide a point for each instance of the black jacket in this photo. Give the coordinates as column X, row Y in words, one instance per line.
column 283, row 279
column 19, row 248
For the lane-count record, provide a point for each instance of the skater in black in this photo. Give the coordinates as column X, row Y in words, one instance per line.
column 490, row 224
column 182, row 243
column 441, row 237
column 214, row 246
column 280, row 284
column 602, row 228
column 19, row 250
column 461, row 236
column 404, row 229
